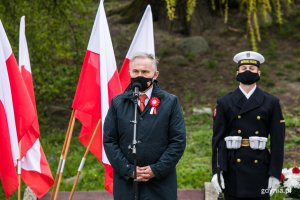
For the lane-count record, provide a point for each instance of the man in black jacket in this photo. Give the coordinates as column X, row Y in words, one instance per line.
column 161, row 136
column 244, row 121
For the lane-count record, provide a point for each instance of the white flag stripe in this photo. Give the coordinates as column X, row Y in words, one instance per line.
column 24, row 54
column 143, row 40
column 6, row 99
column 5, row 43
column 32, row 159
column 108, row 67
column 94, row 42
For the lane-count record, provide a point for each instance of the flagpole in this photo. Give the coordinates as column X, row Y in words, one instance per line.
column 19, row 172
column 83, row 159
column 63, row 157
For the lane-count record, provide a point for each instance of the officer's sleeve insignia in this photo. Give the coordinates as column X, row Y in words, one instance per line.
column 282, row 121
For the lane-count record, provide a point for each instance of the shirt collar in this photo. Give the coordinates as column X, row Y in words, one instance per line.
column 148, row 92
column 247, row 95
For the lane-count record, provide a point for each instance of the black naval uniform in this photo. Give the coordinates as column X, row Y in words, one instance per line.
column 246, row 171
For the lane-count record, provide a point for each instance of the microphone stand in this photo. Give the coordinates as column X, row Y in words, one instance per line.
column 132, row 147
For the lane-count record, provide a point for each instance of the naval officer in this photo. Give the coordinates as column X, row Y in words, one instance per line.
column 247, row 121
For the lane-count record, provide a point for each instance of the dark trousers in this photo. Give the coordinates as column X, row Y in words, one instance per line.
column 228, row 197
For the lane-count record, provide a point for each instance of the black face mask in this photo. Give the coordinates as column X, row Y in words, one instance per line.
column 247, row 77
column 142, row 81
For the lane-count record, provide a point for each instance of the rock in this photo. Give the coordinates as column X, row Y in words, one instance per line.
column 192, row 46
column 210, row 192
column 199, row 111
column 176, row 60
column 29, row 195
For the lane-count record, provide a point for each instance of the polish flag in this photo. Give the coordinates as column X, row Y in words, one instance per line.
column 24, row 112
column 143, row 41
column 98, row 83
column 36, row 172
column 9, row 152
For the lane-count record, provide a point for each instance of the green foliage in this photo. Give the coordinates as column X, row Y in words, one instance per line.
column 92, row 173
column 292, row 121
column 195, row 166
column 57, row 36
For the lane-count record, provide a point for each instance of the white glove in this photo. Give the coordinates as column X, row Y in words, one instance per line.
column 215, row 182
column 273, row 184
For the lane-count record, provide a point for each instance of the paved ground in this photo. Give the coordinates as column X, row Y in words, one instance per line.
column 182, row 195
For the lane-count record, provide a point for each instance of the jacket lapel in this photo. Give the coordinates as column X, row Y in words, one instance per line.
column 253, row 102
column 155, row 93
column 238, row 98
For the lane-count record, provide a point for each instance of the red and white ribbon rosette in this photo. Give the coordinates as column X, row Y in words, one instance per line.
column 154, row 103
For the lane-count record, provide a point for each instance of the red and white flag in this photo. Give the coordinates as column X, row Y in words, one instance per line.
column 25, row 115
column 9, row 152
column 98, row 83
column 143, row 41
column 35, row 172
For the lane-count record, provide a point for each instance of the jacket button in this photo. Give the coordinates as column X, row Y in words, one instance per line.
column 239, row 116
column 258, row 117
column 255, row 161
column 239, row 131
column 256, row 132
column 238, row 160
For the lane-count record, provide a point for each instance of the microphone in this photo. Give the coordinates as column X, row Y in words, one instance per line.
column 136, row 86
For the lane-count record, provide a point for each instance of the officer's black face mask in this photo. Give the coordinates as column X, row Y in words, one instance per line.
column 247, row 77
column 143, row 82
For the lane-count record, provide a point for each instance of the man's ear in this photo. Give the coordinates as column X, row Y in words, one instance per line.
column 155, row 75
column 259, row 72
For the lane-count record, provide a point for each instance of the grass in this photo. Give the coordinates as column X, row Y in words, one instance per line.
column 192, row 170
column 194, row 167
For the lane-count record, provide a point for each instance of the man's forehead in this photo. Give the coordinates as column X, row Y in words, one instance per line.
column 141, row 61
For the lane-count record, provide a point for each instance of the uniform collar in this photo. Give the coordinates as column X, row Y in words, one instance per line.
column 253, row 102
column 248, row 95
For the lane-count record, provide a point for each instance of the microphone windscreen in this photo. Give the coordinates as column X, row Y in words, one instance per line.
column 136, row 84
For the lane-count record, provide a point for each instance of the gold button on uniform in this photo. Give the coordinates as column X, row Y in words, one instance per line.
column 239, row 116
column 258, row 117
column 256, row 132
column 238, row 160
column 255, row 161
column 239, row 131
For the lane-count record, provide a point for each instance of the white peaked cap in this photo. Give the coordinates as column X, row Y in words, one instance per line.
column 249, row 55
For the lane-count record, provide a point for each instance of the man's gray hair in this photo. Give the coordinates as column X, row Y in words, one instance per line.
column 145, row 55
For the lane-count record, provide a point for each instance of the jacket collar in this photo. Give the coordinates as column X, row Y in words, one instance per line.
column 156, row 92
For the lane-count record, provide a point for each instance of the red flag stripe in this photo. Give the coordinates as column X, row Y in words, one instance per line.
column 9, row 152
column 98, row 83
column 36, row 172
column 25, row 115
column 124, row 74
column 8, row 174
